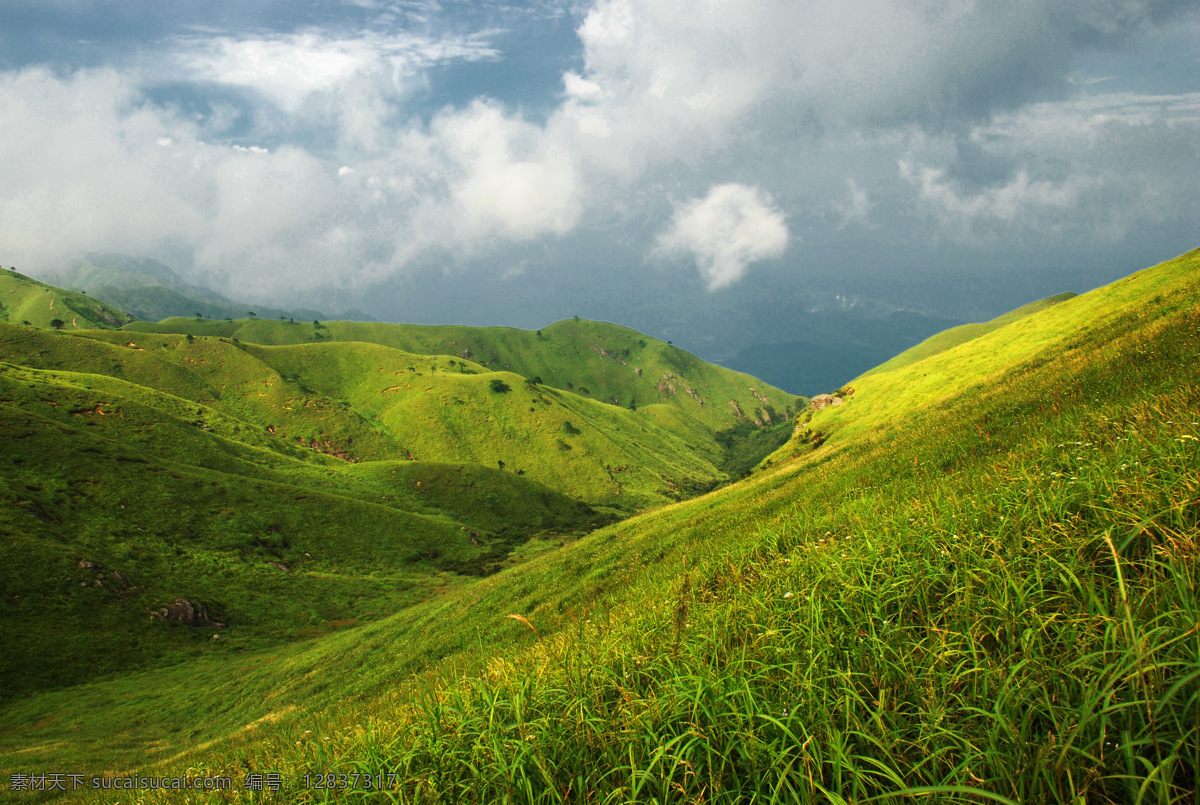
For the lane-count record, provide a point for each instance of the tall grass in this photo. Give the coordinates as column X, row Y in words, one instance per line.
column 994, row 598
column 981, row 587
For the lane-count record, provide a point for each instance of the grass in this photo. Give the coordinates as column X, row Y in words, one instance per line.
column 980, row 584
column 188, row 503
column 25, row 301
column 367, row 402
column 947, row 339
column 291, row 490
column 597, row 360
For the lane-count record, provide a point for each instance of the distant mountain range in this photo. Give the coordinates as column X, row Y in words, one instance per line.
column 152, row 291
column 814, row 346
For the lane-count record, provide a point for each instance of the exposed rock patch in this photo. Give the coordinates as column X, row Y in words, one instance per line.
column 825, row 401
column 186, row 612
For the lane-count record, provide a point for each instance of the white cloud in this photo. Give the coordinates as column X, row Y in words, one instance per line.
column 289, row 68
column 1005, row 202
column 790, row 97
column 727, row 230
column 512, row 181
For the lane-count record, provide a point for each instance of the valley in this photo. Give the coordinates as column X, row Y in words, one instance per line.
column 579, row 563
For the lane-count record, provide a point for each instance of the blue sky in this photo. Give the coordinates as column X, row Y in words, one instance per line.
column 680, row 167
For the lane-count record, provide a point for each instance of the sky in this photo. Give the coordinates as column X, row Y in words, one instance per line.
column 710, row 171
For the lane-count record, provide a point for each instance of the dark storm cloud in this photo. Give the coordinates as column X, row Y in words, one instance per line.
column 288, row 150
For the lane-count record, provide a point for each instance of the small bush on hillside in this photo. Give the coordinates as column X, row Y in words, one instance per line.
column 499, row 386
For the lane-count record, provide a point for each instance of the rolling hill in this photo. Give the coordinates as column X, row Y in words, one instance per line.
column 975, row 581
column 277, row 489
column 596, row 360
column 24, row 300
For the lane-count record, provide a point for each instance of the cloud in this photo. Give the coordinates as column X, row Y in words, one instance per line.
column 339, row 176
column 856, row 209
column 513, row 182
column 288, row 68
column 727, row 230
column 1085, row 171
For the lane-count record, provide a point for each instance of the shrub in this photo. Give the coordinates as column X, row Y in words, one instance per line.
column 499, row 386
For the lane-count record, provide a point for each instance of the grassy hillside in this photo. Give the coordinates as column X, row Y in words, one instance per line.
column 117, row 500
column 366, row 402
column 26, row 301
column 603, row 362
column 285, row 488
column 947, row 339
column 977, row 581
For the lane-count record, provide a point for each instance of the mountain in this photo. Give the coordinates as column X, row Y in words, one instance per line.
column 151, row 290
column 805, row 343
column 974, row 580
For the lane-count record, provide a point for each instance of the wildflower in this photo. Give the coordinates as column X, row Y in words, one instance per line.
column 787, row 595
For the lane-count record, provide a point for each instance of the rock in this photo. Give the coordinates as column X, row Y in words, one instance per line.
column 281, row 566
column 122, row 579
column 188, row 613
column 825, row 400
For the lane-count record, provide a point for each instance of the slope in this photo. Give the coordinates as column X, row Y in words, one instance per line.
column 981, row 584
column 118, row 500
column 601, row 361
column 954, row 336
column 365, row 402
column 24, row 300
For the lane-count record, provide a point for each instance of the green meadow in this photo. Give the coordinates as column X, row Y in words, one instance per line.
column 975, row 581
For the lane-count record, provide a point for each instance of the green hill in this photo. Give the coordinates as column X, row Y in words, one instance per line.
column 119, row 499
column 948, row 339
column 366, row 402
column 284, row 488
column 597, row 360
column 26, row 301
column 975, row 581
